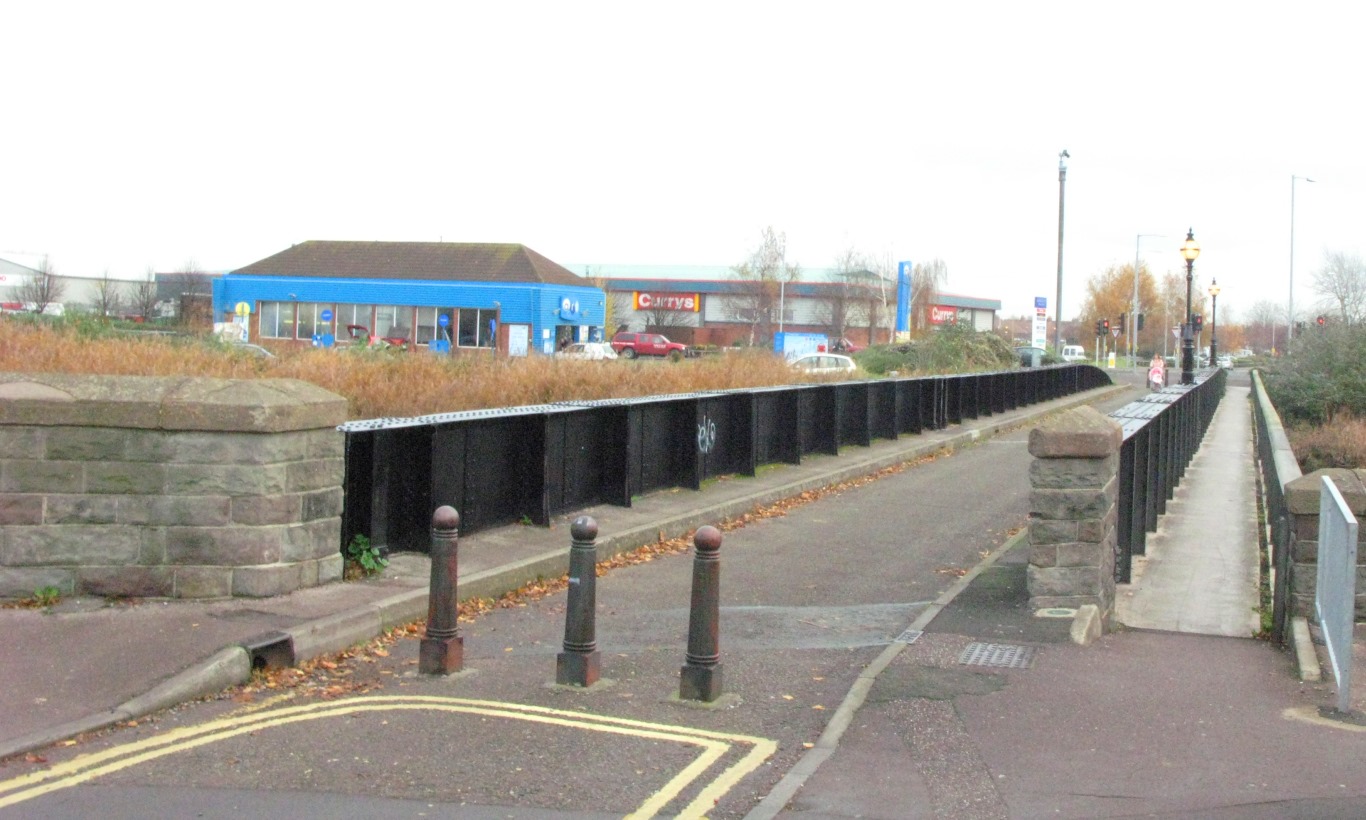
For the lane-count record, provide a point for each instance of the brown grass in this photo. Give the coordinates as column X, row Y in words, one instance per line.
column 1340, row 443
column 379, row 383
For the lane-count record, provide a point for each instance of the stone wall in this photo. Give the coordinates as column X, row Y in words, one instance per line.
column 1302, row 502
column 168, row 487
column 1074, row 486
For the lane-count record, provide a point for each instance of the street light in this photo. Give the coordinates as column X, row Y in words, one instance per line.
column 1057, row 306
column 1189, row 250
column 1133, row 308
column 1214, row 322
column 1290, row 330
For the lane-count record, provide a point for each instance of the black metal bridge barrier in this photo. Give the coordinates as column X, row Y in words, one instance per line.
column 528, row 464
column 1162, row 431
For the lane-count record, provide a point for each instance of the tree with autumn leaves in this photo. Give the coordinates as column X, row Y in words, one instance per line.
column 1110, row 293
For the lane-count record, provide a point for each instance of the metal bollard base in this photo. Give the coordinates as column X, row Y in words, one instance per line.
column 578, row 668
column 699, row 683
column 440, row 656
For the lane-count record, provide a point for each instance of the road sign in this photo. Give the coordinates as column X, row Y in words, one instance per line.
column 1176, row 331
column 1115, row 331
column 243, row 309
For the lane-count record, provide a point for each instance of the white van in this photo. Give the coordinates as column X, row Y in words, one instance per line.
column 1073, row 353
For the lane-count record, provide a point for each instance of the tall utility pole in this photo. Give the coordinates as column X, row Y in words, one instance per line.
column 1133, row 308
column 1057, row 305
column 1290, row 330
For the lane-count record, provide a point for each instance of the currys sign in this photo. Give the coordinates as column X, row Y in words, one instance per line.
column 645, row 300
column 943, row 315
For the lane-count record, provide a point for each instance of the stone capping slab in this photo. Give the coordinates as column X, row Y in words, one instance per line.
column 1302, row 494
column 167, row 403
column 1079, row 432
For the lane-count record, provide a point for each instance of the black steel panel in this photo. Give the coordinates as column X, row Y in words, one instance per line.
column 818, row 420
column 724, row 435
column 504, row 472
column 358, row 493
column 851, row 410
column 777, row 435
column 668, row 445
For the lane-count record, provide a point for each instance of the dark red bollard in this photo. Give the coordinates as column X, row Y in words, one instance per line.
column 442, row 651
column 700, row 678
column 579, row 663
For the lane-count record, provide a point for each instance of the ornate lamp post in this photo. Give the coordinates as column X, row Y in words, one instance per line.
column 1189, row 250
column 1214, row 323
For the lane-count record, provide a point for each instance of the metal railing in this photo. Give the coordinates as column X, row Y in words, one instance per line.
column 531, row 463
column 1162, row 431
column 1277, row 468
column 1335, row 592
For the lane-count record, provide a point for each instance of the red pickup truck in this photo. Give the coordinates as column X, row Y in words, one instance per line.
column 631, row 345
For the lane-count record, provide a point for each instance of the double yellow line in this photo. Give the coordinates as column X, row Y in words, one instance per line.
column 712, row 746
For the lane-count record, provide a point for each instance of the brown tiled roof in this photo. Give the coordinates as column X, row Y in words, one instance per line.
column 454, row 261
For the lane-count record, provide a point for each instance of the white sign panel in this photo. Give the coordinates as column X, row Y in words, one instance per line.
column 1040, row 334
column 518, row 339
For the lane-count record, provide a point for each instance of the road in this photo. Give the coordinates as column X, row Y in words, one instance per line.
column 809, row 599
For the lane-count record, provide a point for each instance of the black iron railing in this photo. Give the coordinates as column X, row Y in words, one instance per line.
column 530, row 463
column 1162, row 431
column 1278, row 466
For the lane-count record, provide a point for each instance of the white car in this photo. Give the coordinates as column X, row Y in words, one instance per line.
column 587, row 350
column 823, row 363
column 1226, row 362
column 1073, row 353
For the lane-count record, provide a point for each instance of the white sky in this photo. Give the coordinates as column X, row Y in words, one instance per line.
column 147, row 134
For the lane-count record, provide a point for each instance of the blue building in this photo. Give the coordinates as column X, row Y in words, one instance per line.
column 443, row 296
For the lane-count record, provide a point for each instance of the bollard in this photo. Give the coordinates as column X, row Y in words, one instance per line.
column 700, row 678
column 579, row 663
column 442, row 651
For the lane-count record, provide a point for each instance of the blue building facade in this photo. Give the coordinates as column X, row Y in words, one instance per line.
column 443, row 297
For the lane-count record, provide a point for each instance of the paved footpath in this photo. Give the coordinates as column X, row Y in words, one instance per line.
column 830, row 708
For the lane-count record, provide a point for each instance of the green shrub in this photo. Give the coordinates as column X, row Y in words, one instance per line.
column 1322, row 376
column 363, row 559
column 950, row 349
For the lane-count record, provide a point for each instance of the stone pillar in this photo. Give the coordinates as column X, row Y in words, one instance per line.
column 1074, row 484
column 1302, row 501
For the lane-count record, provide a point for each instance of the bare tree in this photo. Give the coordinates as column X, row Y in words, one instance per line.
column 1342, row 284
column 927, row 280
column 761, row 279
column 108, row 299
column 40, row 288
column 143, row 299
column 1262, row 323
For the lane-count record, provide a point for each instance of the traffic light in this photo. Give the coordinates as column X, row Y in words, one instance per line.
column 1099, row 328
column 1322, row 320
column 1121, row 323
column 1199, row 319
column 1140, row 321
column 1105, row 325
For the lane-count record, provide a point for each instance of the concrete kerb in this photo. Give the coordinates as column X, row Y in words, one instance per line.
column 1306, row 656
column 231, row 666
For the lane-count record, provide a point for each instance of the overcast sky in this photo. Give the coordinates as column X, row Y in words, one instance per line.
column 145, row 135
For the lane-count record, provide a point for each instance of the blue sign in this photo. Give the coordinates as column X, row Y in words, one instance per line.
column 904, row 270
column 1040, row 302
column 326, row 316
column 443, row 319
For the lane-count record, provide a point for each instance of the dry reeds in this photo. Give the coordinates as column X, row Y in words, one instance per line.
column 377, row 382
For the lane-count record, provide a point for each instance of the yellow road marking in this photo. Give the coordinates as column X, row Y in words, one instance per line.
column 712, row 745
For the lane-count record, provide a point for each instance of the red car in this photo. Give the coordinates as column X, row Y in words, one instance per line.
column 631, row 345
column 843, row 345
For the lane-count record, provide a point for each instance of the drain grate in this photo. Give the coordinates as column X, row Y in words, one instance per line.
column 909, row 636
column 997, row 654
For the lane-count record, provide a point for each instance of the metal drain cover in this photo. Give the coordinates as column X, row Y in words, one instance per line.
column 997, row 654
column 909, row 636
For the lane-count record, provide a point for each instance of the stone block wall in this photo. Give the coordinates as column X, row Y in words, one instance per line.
column 168, row 487
column 1302, row 501
column 1074, row 487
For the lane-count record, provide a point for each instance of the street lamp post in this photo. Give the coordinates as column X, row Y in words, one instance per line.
column 1057, row 306
column 1290, row 330
column 1214, row 322
column 1190, row 249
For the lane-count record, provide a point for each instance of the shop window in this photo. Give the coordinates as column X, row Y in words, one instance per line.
column 429, row 325
column 476, row 328
column 277, row 320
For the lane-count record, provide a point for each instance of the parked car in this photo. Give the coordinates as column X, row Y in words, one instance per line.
column 1030, row 356
column 823, row 363
column 631, row 345
column 587, row 350
column 1073, row 353
column 1226, row 362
